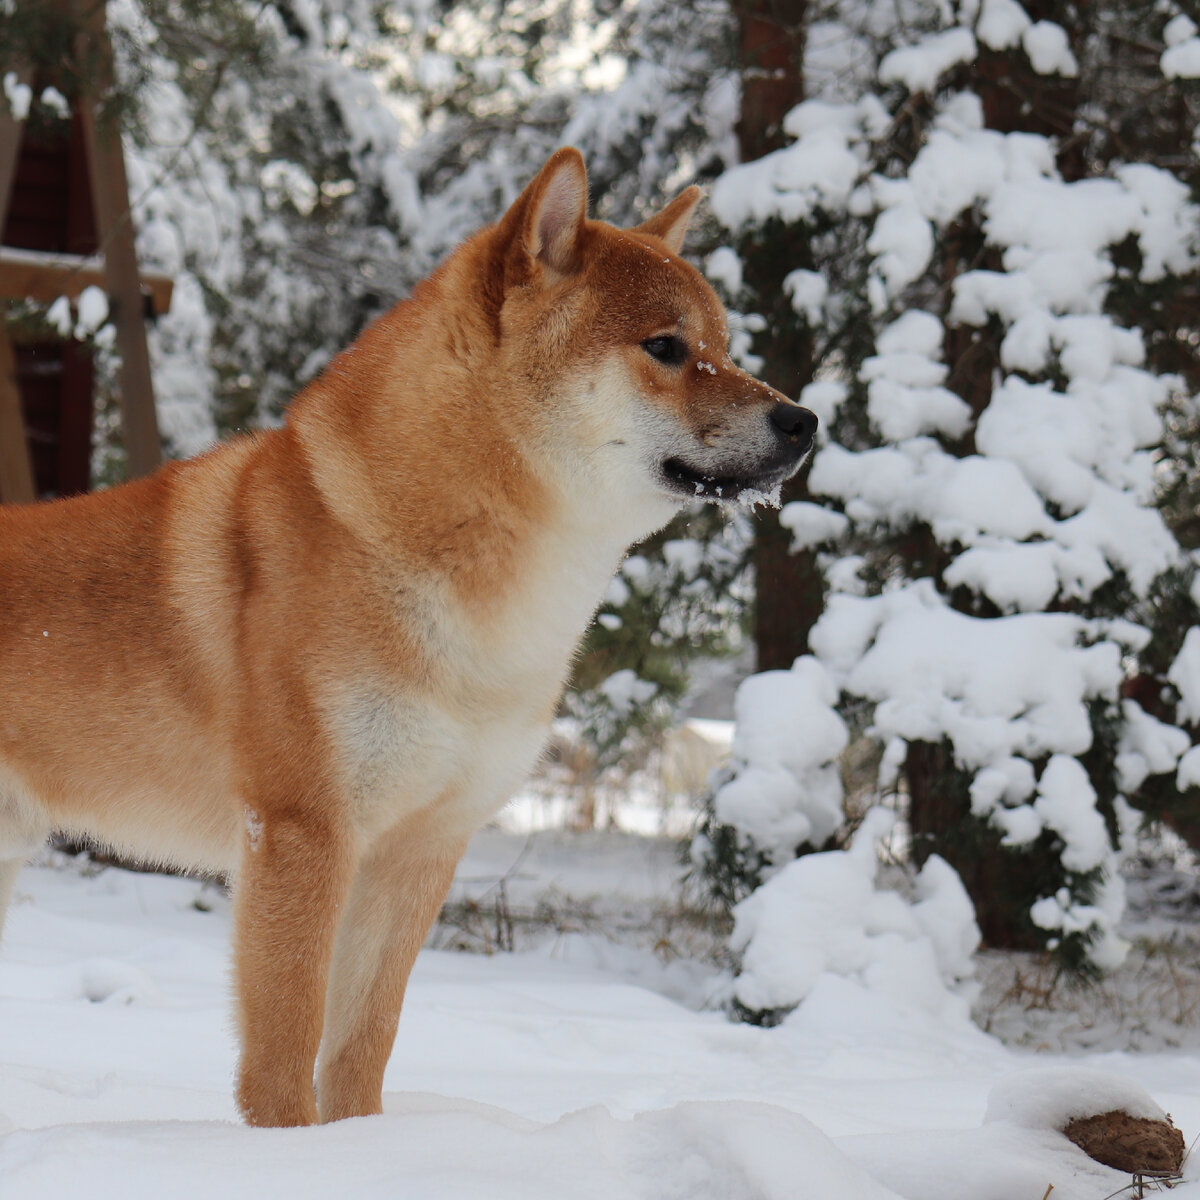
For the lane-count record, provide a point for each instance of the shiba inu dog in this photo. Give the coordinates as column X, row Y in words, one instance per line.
column 321, row 657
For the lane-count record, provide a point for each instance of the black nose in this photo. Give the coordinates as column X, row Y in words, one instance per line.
column 795, row 423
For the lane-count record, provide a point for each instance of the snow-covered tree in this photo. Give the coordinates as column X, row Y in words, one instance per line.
column 271, row 185
column 991, row 282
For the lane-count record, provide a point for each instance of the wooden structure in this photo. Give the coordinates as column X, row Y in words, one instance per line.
column 65, row 224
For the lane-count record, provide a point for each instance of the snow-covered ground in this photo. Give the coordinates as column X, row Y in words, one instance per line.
column 583, row 1067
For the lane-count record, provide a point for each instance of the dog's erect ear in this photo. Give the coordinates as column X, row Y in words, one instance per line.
column 671, row 225
column 553, row 210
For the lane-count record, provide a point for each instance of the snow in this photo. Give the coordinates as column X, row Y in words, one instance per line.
column 283, row 180
column 1182, row 60
column 1082, row 450
column 1048, row 49
column 946, row 915
column 1067, row 804
column 786, row 787
column 899, row 411
column 1063, row 441
column 724, row 268
column 998, row 688
column 1185, row 675
column 18, row 95
column 995, row 1162
column 1046, row 214
column 1010, row 780
column 56, row 102
column 550, row 1072
column 1063, row 911
column 807, row 291
column 1147, row 746
column 1025, row 577
column 684, row 556
column 1001, row 23
column 1040, row 486
column 962, row 499
column 1004, row 692
column 58, row 315
column 625, row 691
column 811, row 524
column 1039, row 1098
column 902, row 242
column 1188, row 774
column 1166, row 228
column 822, row 914
column 92, row 307
column 918, row 67
column 818, row 170
column 904, row 396
column 1178, row 29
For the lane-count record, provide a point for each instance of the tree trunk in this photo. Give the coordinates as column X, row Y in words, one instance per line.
column 1001, row 882
column 771, row 43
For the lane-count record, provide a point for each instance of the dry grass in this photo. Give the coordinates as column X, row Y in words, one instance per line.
column 1150, row 1003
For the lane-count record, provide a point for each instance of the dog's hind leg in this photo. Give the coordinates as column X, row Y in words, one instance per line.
column 296, row 870
column 23, row 830
column 9, row 869
column 397, row 893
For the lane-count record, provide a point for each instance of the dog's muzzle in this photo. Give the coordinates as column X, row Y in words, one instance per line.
column 792, row 430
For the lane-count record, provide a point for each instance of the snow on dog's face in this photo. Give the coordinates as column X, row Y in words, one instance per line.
column 645, row 338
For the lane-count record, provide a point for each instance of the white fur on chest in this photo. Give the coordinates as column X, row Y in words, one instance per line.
column 467, row 736
column 402, row 753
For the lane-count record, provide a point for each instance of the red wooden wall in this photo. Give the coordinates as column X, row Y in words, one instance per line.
column 51, row 209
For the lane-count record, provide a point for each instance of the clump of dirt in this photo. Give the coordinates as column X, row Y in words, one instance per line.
column 1134, row 1145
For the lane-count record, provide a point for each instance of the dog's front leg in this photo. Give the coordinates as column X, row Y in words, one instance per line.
column 296, row 872
column 397, row 893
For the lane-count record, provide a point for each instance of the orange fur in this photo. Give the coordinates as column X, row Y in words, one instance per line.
column 321, row 657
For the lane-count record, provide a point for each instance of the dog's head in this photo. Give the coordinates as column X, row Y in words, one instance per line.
column 635, row 341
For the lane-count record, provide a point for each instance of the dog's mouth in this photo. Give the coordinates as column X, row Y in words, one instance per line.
column 692, row 483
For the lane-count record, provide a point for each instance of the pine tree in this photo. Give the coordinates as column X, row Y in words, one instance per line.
column 1000, row 575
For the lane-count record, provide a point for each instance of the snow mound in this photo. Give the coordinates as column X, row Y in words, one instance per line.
column 997, row 1162
column 452, row 1150
column 822, row 914
column 1053, row 1097
column 1019, row 1151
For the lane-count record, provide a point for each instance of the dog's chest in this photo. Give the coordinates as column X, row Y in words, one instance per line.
column 467, row 731
column 403, row 752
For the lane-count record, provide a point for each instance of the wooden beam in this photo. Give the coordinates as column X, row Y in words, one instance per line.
column 16, row 472
column 38, row 275
column 114, row 226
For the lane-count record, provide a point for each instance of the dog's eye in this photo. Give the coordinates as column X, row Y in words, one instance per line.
column 669, row 350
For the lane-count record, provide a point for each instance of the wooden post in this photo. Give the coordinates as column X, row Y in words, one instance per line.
column 10, row 146
column 16, row 471
column 110, row 195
